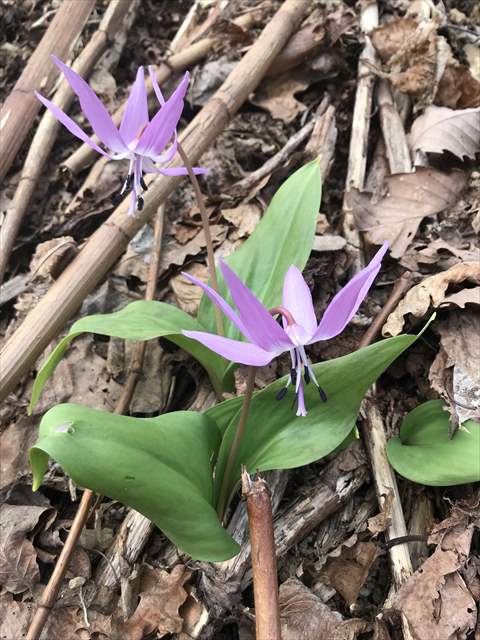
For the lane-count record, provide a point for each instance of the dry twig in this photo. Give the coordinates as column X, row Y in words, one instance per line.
column 264, row 559
column 20, row 108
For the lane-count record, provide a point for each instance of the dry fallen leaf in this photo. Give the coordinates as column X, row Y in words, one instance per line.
column 161, row 595
column 277, row 96
column 304, row 616
column 460, row 349
column 188, row 294
column 441, row 129
column 396, row 217
column 434, row 600
column 430, row 292
column 347, row 567
column 175, row 254
column 18, row 568
column 458, row 89
column 15, row 442
column 245, row 218
column 51, row 257
column 379, row 523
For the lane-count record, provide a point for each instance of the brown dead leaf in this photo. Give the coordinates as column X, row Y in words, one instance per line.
column 347, row 567
column 14, row 617
column 430, row 292
column 277, row 96
column 458, row 89
column 434, row 600
column 299, row 48
column 460, row 349
column 175, row 254
column 396, row 217
column 245, row 218
column 379, row 523
column 441, row 129
column 303, row 616
column 51, row 257
column 15, row 442
column 439, row 252
column 18, row 567
column 161, row 595
column 187, row 294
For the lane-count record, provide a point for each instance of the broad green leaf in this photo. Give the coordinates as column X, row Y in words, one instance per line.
column 425, row 454
column 283, row 237
column 275, row 438
column 159, row 466
column 141, row 320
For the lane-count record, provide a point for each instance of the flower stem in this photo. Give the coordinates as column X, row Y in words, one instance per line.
column 206, row 231
column 232, row 456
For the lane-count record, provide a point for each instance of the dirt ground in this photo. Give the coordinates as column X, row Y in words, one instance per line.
column 336, row 579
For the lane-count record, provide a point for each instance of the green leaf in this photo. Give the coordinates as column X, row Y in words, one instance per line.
column 159, row 466
column 283, row 237
column 275, row 438
column 425, row 454
column 141, row 320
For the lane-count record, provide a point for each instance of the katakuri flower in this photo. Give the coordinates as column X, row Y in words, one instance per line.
column 140, row 140
column 266, row 339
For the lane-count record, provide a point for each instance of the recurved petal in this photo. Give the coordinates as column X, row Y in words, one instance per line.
column 347, row 301
column 220, row 302
column 298, row 300
column 234, row 350
column 135, row 118
column 156, row 88
column 97, row 115
column 261, row 326
column 70, row 124
column 162, row 127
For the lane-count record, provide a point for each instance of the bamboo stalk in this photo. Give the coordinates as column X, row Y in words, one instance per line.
column 51, row 590
column 179, row 61
column 21, row 106
column 46, row 133
column 106, row 245
column 264, row 559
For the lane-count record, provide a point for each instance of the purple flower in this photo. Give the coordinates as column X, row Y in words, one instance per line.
column 266, row 339
column 140, row 140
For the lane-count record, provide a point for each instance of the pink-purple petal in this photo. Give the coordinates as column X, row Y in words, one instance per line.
column 347, row 301
column 70, row 124
column 298, row 300
column 162, row 127
column 135, row 117
column 101, row 122
column 233, row 350
column 156, row 88
column 261, row 326
column 220, row 302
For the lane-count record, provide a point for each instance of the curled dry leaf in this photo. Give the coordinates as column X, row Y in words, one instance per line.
column 396, row 217
column 187, row 294
column 434, row 600
column 277, row 96
column 458, row 89
column 441, row 129
column 304, row 616
column 161, row 595
column 51, row 257
column 19, row 569
column 245, row 218
column 430, row 292
column 347, row 567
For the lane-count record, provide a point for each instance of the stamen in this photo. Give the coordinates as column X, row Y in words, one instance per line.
column 143, row 184
column 306, row 375
column 282, row 393
column 293, row 376
column 140, row 203
column 322, row 394
column 117, row 198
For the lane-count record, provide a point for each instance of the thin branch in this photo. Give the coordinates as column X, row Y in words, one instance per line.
column 264, row 559
column 232, row 455
column 206, row 230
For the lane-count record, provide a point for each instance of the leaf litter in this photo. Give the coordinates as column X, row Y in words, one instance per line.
column 416, row 212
